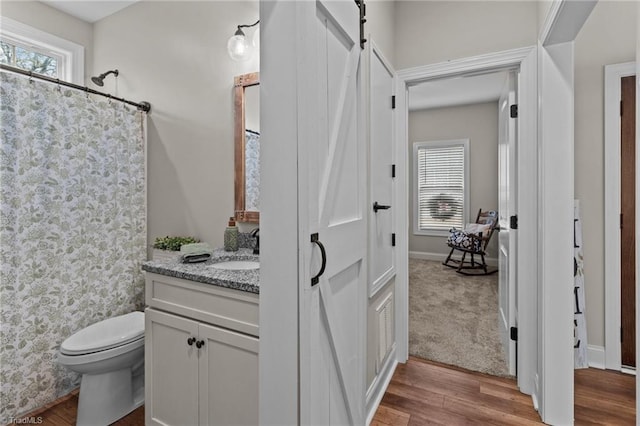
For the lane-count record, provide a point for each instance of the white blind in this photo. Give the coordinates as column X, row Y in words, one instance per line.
column 440, row 181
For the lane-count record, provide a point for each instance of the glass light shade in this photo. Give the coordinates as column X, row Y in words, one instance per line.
column 238, row 48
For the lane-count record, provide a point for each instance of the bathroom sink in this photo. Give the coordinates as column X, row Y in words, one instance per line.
column 237, row 265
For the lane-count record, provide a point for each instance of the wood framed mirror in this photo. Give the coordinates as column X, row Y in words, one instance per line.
column 247, row 147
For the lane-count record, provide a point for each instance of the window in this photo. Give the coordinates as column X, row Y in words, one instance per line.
column 440, row 186
column 30, row 59
column 28, row 48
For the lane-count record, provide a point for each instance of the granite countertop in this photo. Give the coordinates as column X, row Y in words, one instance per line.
column 203, row 272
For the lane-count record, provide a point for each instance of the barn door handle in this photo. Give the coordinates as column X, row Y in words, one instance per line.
column 377, row 207
column 314, row 239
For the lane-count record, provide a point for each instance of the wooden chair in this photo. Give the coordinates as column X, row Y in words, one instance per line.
column 473, row 241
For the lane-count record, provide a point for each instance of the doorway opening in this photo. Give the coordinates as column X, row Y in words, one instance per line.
column 525, row 60
column 457, row 319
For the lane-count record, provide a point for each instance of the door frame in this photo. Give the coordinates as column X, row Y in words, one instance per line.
column 612, row 93
column 527, row 182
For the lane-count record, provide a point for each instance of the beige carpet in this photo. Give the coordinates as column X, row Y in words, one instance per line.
column 453, row 318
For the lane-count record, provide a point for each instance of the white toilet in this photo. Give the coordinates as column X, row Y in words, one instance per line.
column 110, row 356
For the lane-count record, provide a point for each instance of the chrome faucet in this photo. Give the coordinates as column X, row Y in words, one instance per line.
column 256, row 234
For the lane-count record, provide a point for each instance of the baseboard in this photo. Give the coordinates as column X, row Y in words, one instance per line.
column 536, row 392
column 380, row 383
column 440, row 257
column 595, row 355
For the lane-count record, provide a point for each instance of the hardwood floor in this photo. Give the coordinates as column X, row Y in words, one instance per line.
column 427, row 393
column 65, row 411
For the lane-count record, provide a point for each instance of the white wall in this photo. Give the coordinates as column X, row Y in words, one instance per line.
column 435, row 31
column 40, row 16
column 479, row 124
column 599, row 43
column 173, row 54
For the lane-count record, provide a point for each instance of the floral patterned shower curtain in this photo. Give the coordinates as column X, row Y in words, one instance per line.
column 72, row 229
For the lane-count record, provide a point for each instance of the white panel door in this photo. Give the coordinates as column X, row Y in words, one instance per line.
column 333, row 205
column 507, row 203
column 381, row 169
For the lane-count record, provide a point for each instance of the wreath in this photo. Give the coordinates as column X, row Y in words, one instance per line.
column 443, row 207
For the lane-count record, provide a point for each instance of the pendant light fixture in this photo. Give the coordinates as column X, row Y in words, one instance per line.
column 239, row 48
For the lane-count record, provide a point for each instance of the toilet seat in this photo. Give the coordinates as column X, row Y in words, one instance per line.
column 104, row 335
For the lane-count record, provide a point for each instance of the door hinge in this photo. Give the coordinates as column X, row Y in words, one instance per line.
column 393, row 102
column 621, row 220
column 621, row 109
column 621, row 338
column 393, row 170
column 513, row 334
column 513, row 222
column 513, row 111
column 393, row 239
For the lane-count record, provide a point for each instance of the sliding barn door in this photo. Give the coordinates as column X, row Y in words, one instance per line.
column 332, row 211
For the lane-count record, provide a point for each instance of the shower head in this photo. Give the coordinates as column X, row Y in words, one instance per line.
column 99, row 80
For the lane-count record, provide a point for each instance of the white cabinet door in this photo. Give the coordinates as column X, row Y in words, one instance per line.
column 171, row 370
column 228, row 369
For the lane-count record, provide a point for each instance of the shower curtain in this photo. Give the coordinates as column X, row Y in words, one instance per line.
column 72, row 229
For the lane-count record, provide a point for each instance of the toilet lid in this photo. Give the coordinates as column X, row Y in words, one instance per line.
column 105, row 334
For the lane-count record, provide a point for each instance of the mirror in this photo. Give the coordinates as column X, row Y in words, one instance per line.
column 247, row 147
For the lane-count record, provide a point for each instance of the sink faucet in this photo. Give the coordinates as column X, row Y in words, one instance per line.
column 256, row 234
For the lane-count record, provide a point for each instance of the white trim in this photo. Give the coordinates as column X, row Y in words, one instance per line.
column 527, row 209
column 612, row 96
column 281, row 265
column 465, row 196
column 527, row 249
column 491, row 61
column 380, row 383
column 564, row 21
column 596, row 356
column 555, row 244
column 628, row 370
column 549, row 21
column 441, row 257
column 72, row 53
column 402, row 220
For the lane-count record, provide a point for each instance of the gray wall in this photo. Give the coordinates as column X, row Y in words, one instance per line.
column 173, row 54
column 380, row 27
column 434, row 31
column 608, row 37
column 479, row 124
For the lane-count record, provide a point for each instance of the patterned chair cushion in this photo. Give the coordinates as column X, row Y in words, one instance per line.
column 463, row 240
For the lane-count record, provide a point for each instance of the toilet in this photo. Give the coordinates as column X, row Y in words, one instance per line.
column 110, row 356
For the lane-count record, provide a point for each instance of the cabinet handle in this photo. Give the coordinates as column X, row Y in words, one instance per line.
column 191, row 341
column 200, row 344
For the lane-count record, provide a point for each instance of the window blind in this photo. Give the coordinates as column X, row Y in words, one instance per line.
column 440, row 185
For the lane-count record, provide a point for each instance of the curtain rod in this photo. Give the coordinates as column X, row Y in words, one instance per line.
column 144, row 106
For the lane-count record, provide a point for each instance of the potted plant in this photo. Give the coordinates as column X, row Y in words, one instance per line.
column 168, row 248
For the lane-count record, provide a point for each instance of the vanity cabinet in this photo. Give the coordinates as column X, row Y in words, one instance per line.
column 199, row 370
